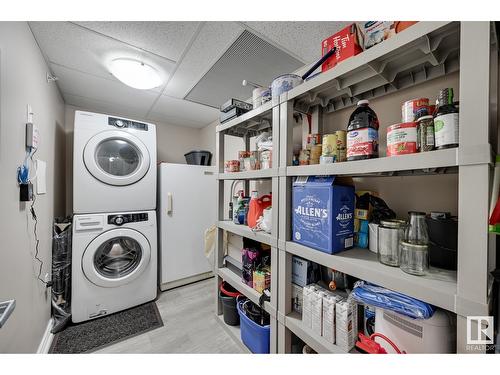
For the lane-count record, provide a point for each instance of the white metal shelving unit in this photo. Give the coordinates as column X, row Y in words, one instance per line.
column 422, row 52
column 246, row 126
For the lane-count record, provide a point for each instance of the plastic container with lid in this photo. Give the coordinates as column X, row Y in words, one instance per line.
column 446, row 121
column 362, row 133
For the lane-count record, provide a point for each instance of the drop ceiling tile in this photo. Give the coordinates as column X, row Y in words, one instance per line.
column 212, row 41
column 182, row 112
column 167, row 39
column 99, row 89
column 300, row 38
column 72, row 46
column 99, row 106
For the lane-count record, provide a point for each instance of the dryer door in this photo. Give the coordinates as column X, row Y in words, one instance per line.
column 116, row 257
column 116, row 158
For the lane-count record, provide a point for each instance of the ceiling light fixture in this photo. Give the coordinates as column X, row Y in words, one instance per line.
column 135, row 73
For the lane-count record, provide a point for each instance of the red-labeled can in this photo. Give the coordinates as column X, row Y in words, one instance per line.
column 414, row 109
column 402, row 139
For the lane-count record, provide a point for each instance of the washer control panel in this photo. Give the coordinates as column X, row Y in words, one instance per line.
column 127, row 218
column 122, row 123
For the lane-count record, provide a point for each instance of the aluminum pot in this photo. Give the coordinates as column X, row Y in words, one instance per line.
column 284, row 83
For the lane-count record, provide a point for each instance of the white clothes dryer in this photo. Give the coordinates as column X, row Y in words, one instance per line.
column 114, row 164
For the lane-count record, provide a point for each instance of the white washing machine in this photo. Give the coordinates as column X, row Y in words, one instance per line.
column 114, row 263
column 114, row 164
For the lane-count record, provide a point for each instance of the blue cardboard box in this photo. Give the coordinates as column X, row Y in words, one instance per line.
column 323, row 213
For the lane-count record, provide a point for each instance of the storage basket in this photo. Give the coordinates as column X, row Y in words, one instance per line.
column 254, row 336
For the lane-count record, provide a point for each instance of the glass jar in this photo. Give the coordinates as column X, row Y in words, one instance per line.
column 414, row 258
column 425, row 134
column 413, row 249
column 416, row 231
column 390, row 234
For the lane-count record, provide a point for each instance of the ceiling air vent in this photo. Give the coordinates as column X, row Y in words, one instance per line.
column 250, row 58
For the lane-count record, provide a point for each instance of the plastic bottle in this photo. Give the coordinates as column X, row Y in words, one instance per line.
column 362, row 133
column 446, row 121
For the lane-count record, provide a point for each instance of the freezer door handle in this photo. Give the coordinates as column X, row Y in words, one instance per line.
column 169, row 203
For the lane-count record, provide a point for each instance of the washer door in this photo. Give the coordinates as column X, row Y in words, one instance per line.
column 116, row 158
column 116, row 257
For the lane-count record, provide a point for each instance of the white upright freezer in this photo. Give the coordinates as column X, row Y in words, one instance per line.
column 186, row 208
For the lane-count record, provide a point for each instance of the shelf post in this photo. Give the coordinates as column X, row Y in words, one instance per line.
column 219, row 237
column 474, row 242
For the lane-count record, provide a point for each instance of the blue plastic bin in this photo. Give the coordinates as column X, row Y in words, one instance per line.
column 254, row 336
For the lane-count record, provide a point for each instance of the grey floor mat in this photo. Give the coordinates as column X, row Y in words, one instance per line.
column 98, row 333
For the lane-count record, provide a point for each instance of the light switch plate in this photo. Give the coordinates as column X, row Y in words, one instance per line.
column 41, row 177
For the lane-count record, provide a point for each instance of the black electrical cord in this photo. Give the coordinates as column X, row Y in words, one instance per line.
column 37, row 240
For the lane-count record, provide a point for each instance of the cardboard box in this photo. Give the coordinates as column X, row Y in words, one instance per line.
column 261, row 280
column 346, row 321
column 297, row 298
column 329, row 302
column 349, row 42
column 307, row 293
column 323, row 213
column 304, row 272
column 375, row 32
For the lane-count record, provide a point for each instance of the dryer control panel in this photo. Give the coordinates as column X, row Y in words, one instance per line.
column 127, row 218
column 122, row 123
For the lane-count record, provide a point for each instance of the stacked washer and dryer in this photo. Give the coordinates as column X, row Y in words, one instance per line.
column 114, row 259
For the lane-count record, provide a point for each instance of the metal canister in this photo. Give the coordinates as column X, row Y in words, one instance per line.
column 329, row 145
column 341, row 147
column 411, row 110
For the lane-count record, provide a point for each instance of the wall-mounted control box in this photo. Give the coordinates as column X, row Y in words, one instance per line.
column 32, row 136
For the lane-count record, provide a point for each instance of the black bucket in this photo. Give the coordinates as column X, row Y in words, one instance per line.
column 228, row 295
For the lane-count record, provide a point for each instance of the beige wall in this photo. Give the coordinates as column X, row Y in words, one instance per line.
column 22, row 82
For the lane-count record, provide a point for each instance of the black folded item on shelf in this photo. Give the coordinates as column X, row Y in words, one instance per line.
column 381, row 210
column 235, row 103
column 229, row 115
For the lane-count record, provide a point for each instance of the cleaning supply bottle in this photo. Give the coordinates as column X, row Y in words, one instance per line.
column 237, row 205
column 362, row 133
column 256, row 208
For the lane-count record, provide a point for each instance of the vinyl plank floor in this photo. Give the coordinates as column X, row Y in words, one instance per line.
column 190, row 325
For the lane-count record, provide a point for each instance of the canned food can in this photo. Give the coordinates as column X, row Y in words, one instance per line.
column 341, row 145
column 314, row 139
column 329, row 145
column 414, row 109
column 232, row 166
column 402, row 139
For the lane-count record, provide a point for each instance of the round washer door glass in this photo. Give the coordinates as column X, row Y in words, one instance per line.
column 116, row 157
column 116, row 257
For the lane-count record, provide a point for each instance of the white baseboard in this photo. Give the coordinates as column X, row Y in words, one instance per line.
column 185, row 281
column 47, row 338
